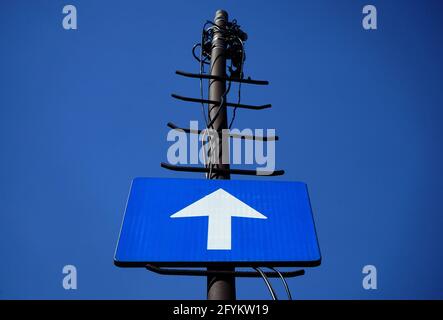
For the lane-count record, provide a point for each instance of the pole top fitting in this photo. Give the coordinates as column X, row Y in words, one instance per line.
column 221, row 14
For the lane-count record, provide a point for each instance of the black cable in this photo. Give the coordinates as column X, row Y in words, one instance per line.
column 212, row 120
column 202, row 70
column 231, row 31
column 222, row 101
column 268, row 284
column 239, row 85
column 202, row 61
column 288, row 292
column 195, row 55
column 209, row 86
column 233, row 36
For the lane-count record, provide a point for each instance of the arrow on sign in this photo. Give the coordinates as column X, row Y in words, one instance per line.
column 219, row 206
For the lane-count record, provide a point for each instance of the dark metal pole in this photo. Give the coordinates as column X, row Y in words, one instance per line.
column 219, row 287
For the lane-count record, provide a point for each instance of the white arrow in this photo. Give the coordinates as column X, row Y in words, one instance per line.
column 219, row 206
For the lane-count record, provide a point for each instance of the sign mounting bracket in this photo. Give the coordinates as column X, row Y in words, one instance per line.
column 210, row 272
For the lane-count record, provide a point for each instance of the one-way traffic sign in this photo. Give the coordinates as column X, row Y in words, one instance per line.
column 235, row 222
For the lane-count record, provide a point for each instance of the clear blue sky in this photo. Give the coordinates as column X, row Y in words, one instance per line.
column 359, row 114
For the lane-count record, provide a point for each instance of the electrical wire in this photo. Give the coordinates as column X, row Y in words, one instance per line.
column 202, row 61
column 268, row 284
column 212, row 120
column 239, row 85
column 195, row 55
column 231, row 32
column 233, row 37
column 288, row 292
column 206, row 153
column 201, row 71
column 220, row 106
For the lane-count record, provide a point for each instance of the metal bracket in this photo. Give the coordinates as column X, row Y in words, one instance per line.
column 223, row 171
column 240, row 274
column 212, row 77
column 232, row 135
column 228, row 104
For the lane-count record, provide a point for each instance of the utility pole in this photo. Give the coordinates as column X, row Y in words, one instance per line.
column 222, row 41
column 219, row 287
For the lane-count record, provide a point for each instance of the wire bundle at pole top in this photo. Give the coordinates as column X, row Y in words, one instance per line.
column 234, row 38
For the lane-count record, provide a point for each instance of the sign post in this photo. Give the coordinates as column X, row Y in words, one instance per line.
column 219, row 287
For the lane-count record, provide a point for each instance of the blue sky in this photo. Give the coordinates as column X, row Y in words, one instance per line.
column 83, row 112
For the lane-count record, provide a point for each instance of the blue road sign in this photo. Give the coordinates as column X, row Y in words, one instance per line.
column 190, row 222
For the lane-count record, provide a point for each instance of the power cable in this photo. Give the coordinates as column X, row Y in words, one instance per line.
column 268, row 284
column 288, row 292
column 234, row 37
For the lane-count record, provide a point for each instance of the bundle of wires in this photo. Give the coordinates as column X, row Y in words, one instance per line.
column 234, row 51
